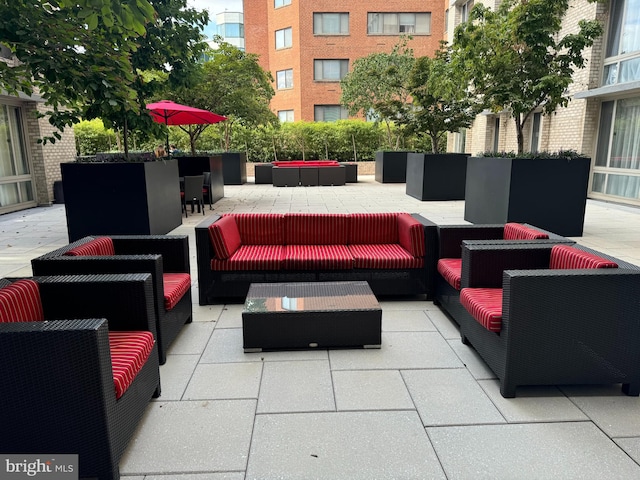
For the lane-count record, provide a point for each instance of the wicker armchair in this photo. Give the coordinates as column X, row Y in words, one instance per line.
column 158, row 255
column 58, row 390
column 558, row 326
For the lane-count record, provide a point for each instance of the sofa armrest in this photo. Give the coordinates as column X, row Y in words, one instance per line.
column 204, row 254
column 173, row 248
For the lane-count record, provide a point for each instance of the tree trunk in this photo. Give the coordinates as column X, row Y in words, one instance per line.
column 192, row 141
column 434, row 142
column 355, row 150
column 519, row 134
column 125, row 135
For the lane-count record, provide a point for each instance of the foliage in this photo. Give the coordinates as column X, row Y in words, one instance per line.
column 118, row 157
column 560, row 154
column 514, row 58
column 92, row 137
column 377, row 86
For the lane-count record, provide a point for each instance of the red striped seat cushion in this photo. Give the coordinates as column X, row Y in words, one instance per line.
column 225, row 237
column 315, row 229
column 252, row 257
column 97, row 247
column 317, row 257
column 372, row 228
column 20, row 302
column 388, row 255
column 259, row 228
column 411, row 234
column 517, row 231
column 175, row 286
column 129, row 352
column 565, row 257
column 451, row 271
column 485, row 305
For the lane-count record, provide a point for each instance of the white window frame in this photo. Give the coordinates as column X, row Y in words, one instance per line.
column 388, row 19
column 284, row 79
column 318, row 23
column 281, row 3
column 285, row 116
column 320, row 65
column 284, row 38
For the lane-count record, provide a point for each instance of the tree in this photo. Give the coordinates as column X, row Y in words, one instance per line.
column 377, row 86
column 515, row 59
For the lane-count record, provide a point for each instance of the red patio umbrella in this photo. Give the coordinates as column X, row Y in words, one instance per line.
column 171, row 113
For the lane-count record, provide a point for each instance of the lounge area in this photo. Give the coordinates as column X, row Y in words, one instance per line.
column 423, row 405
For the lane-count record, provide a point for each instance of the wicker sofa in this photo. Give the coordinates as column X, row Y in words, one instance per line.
column 77, row 369
column 551, row 315
column 391, row 251
column 165, row 257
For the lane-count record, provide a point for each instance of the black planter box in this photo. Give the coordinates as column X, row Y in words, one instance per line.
column 263, row 173
column 436, row 176
column 140, row 198
column 234, row 168
column 391, row 166
column 196, row 165
column 548, row 193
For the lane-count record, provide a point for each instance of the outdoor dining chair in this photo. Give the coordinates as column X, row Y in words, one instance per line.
column 193, row 193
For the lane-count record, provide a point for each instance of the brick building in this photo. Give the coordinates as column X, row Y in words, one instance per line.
column 309, row 46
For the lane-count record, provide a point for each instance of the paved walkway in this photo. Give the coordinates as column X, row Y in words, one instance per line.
column 423, row 406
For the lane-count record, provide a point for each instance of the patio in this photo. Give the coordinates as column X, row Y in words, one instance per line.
column 423, row 406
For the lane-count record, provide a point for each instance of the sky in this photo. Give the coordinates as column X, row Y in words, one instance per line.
column 214, row 7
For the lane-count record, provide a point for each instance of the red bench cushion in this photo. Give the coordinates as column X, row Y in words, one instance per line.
column 411, row 234
column 317, row 257
column 225, row 237
column 485, row 305
column 451, row 271
column 565, row 257
column 129, row 352
column 517, row 231
column 386, row 255
column 20, row 302
column 373, row 228
column 175, row 286
column 315, row 229
column 97, row 247
column 259, row 228
column 252, row 257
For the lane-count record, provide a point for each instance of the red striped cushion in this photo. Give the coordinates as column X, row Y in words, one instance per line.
column 225, row 237
column 129, row 352
column 317, row 257
column 387, row 255
column 451, row 271
column 485, row 305
column 517, row 231
column 20, row 302
column 98, row 246
column 315, row 229
column 252, row 257
column 175, row 286
column 373, row 228
column 565, row 257
column 260, row 228
column 411, row 234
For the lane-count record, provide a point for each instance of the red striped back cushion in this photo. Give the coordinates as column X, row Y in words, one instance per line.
column 517, row 231
column 129, row 353
column 20, row 302
column 411, row 234
column 260, row 228
column 315, row 228
column 373, row 228
column 485, row 305
column 565, row 257
column 451, row 271
column 386, row 255
column 225, row 237
column 252, row 257
column 97, row 247
column 175, row 286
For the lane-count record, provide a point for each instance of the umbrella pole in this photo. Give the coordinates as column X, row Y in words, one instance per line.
column 167, row 125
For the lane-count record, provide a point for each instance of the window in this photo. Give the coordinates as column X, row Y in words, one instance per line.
column 330, row 23
column 496, row 135
column 285, row 115
column 535, row 132
column 330, row 70
column 16, row 186
column 329, row 113
column 281, row 3
column 283, row 38
column 465, row 9
column 622, row 62
column 284, row 79
column 230, row 30
column 460, row 141
column 398, row 23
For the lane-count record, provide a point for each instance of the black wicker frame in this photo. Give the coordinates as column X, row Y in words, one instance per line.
column 232, row 286
column 57, row 392
column 559, row 327
column 154, row 254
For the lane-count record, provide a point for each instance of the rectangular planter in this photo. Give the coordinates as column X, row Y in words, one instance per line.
column 234, row 168
column 137, row 198
column 545, row 192
column 197, row 165
column 263, row 173
column 391, row 166
column 436, row 176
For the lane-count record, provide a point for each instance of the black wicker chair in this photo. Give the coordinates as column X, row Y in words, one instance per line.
column 559, row 326
column 58, row 392
column 154, row 254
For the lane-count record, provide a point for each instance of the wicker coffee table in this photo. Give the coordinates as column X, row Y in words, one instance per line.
column 307, row 315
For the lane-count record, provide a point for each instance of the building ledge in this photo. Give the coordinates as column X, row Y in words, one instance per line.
column 610, row 90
